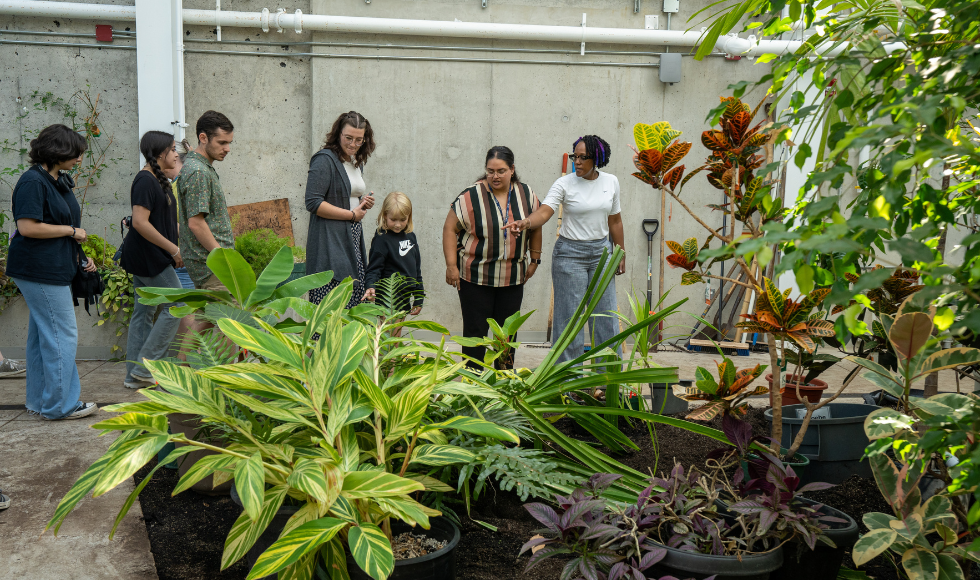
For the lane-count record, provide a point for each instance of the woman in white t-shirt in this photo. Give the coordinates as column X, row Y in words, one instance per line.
column 591, row 221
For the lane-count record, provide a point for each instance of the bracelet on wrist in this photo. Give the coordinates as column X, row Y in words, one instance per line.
column 72, row 231
column 535, row 252
column 174, row 255
column 353, row 216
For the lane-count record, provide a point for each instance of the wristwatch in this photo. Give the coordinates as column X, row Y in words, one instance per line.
column 535, row 260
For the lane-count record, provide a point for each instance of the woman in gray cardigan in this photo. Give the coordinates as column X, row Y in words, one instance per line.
column 335, row 199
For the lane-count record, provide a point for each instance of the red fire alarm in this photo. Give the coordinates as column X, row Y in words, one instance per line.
column 103, row 32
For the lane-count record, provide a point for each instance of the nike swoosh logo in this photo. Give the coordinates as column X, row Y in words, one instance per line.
column 404, row 251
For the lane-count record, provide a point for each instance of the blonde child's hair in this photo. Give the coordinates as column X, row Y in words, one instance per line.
column 396, row 205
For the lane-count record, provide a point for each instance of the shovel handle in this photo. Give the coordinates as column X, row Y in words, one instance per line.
column 655, row 224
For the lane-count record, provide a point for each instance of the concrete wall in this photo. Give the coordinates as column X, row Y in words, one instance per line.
column 433, row 121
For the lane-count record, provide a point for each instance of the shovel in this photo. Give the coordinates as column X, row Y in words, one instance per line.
column 650, row 227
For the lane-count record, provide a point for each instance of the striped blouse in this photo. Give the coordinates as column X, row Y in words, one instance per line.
column 485, row 256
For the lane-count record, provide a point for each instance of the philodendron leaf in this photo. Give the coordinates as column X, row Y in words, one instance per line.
column 872, row 544
column 290, row 547
column 250, row 484
column 920, row 563
column 371, row 550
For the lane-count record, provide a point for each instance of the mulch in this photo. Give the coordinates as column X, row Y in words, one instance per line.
column 187, row 531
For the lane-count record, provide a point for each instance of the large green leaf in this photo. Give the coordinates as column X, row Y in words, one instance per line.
column 920, row 563
column 250, row 484
column 350, row 453
column 184, row 391
column 130, row 457
column 300, row 286
column 278, row 270
column 870, row 545
column 138, row 421
column 886, row 423
column 371, row 550
column 202, row 468
column 172, row 456
column 477, row 427
column 276, row 412
column 407, row 510
column 233, row 271
column 368, row 484
column 290, row 547
column 262, row 343
column 949, row 569
column 246, row 531
column 381, row 401
column 909, row 333
column 320, row 482
column 407, row 409
column 948, row 359
column 87, row 481
column 334, row 558
column 438, row 455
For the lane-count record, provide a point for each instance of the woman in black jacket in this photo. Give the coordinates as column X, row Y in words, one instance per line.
column 42, row 259
column 336, row 200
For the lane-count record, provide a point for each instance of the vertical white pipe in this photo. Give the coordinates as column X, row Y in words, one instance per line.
column 156, row 70
column 177, row 36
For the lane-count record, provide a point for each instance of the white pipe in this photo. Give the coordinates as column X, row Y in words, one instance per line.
column 398, row 26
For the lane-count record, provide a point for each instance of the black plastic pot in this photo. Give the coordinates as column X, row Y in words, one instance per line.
column 663, row 400
column 439, row 565
column 834, row 446
column 270, row 535
column 802, row 563
column 681, row 564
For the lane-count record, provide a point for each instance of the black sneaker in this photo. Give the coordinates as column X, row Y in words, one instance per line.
column 81, row 410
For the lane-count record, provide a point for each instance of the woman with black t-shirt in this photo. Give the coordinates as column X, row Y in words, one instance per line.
column 150, row 254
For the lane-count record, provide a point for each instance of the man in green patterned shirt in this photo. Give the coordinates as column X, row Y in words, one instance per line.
column 204, row 220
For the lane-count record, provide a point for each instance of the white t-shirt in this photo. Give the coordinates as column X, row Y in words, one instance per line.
column 588, row 205
column 357, row 187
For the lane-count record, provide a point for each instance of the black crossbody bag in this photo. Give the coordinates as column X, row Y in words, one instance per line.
column 86, row 286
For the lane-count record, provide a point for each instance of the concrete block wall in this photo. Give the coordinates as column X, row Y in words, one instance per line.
column 433, row 121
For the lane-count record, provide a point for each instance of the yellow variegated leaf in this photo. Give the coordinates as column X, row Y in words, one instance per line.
column 690, row 249
column 371, row 484
column 655, row 136
column 246, row 531
column 371, row 550
column 292, row 546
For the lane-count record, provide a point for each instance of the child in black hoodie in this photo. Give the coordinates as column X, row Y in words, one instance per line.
column 395, row 249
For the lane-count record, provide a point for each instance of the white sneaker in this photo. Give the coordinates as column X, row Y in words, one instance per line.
column 4, row 501
column 81, row 410
column 10, row 368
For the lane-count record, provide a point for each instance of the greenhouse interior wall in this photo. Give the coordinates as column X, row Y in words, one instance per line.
column 433, row 121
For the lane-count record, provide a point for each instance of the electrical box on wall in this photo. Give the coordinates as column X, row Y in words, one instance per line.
column 651, row 22
column 670, row 67
column 672, row 5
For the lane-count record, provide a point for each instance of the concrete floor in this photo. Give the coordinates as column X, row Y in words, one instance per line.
column 41, row 460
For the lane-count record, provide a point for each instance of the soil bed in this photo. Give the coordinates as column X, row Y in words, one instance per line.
column 187, row 531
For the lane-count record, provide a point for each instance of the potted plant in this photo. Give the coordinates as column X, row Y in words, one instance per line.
column 687, row 523
column 342, row 440
column 805, row 382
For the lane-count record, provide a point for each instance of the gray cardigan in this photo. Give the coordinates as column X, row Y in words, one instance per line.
column 330, row 243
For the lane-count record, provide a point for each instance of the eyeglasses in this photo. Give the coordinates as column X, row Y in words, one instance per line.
column 352, row 140
column 577, row 158
column 500, row 172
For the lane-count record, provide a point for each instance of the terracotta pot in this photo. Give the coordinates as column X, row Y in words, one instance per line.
column 190, row 427
column 811, row 392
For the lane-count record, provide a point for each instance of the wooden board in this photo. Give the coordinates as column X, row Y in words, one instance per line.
column 273, row 215
column 721, row 343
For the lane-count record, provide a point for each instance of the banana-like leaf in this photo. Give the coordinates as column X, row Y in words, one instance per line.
column 231, row 269
column 300, row 286
column 310, row 478
column 371, row 550
column 408, row 510
column 407, row 409
column 262, row 343
column 278, row 270
column 290, row 547
column 172, row 456
column 138, row 421
column 246, row 531
column 202, row 468
column 371, row 484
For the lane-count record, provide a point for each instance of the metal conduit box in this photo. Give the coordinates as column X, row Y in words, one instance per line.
column 670, row 67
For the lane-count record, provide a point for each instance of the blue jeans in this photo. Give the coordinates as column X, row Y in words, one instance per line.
column 53, row 389
column 185, row 279
column 573, row 263
column 148, row 339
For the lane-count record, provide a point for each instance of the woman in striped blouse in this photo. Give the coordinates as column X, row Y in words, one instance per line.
column 486, row 264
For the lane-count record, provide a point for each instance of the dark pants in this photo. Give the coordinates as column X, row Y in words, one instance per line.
column 482, row 302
